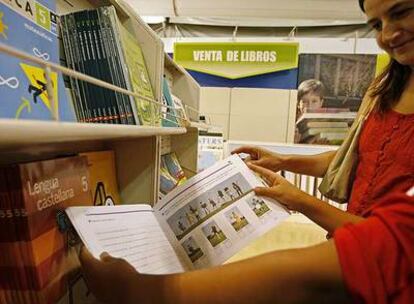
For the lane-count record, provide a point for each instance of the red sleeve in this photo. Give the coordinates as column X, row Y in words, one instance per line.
column 376, row 255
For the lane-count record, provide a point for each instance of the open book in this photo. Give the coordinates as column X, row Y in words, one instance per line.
column 199, row 224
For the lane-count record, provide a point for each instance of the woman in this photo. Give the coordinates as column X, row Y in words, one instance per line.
column 386, row 143
column 369, row 259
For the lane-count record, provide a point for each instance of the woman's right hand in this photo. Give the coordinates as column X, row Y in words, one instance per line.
column 263, row 158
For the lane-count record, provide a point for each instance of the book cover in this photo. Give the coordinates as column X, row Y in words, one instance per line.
column 92, row 46
column 31, row 28
column 111, row 44
column 168, row 114
column 148, row 112
column 178, row 104
column 167, row 181
column 102, row 178
column 34, row 250
column 170, row 161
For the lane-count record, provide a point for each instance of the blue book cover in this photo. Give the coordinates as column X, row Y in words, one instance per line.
column 168, row 119
column 30, row 26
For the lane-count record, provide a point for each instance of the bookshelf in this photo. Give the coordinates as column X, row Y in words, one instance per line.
column 137, row 148
column 187, row 89
column 183, row 86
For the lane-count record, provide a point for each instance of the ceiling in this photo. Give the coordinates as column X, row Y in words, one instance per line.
column 253, row 12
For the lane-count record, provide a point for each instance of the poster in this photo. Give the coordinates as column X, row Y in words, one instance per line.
column 330, row 91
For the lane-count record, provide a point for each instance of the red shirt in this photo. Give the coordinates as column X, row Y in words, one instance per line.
column 377, row 255
column 386, row 159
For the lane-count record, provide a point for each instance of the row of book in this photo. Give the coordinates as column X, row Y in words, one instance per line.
column 96, row 43
column 36, row 259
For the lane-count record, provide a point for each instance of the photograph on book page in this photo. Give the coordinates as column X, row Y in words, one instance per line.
column 216, row 213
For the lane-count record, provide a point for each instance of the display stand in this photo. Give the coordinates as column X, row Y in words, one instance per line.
column 185, row 88
column 137, row 148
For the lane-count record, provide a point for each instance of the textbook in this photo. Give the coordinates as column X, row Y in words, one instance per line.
column 169, row 115
column 199, row 224
column 31, row 26
column 171, row 173
column 35, row 260
column 98, row 44
column 102, row 177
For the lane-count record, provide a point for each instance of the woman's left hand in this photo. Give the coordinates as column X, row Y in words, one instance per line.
column 280, row 189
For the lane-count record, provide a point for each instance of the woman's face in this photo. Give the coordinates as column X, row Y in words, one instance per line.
column 393, row 21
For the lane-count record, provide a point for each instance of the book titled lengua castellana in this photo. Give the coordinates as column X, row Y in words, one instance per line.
column 35, row 259
column 30, row 26
column 199, row 224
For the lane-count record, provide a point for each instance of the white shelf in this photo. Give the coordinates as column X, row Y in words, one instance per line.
column 28, row 132
column 199, row 125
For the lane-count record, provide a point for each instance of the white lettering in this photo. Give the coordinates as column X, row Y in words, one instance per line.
column 273, row 56
column 232, row 56
column 259, row 56
column 55, row 199
column 208, row 56
column 43, row 186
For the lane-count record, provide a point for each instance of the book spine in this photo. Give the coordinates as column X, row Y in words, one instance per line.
column 82, row 24
column 109, row 96
column 69, row 63
column 106, row 36
column 78, row 52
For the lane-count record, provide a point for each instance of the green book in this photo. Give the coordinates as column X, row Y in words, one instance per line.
column 148, row 112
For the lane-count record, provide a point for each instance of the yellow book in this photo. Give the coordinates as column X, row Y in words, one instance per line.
column 102, row 178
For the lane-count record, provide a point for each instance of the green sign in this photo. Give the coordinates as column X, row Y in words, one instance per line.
column 237, row 59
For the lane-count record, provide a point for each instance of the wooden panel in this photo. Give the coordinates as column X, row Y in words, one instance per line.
column 259, row 114
column 215, row 105
column 215, row 100
column 137, row 169
column 186, row 148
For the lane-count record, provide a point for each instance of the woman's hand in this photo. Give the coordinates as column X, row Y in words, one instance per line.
column 280, row 189
column 262, row 157
column 108, row 278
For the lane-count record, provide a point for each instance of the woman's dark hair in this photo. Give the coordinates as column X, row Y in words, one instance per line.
column 388, row 86
column 361, row 5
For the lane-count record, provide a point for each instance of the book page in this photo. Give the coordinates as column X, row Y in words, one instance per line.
column 216, row 213
column 130, row 232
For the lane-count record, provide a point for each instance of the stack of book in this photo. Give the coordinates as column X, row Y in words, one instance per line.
column 324, row 127
column 35, row 258
column 97, row 43
column 171, row 173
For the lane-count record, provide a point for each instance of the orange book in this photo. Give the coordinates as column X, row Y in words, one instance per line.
column 33, row 252
column 102, row 178
column 36, row 191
